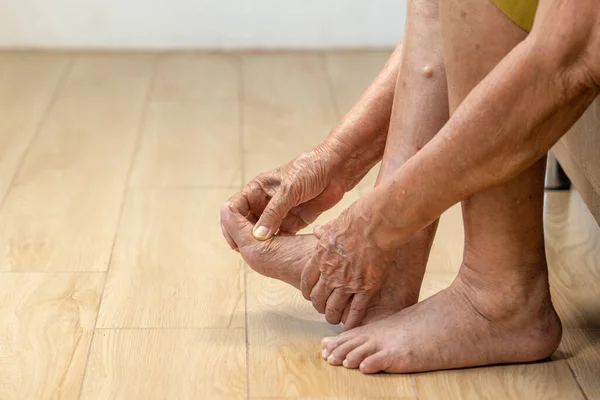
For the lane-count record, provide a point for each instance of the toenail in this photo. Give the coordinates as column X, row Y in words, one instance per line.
column 325, row 354
column 345, row 363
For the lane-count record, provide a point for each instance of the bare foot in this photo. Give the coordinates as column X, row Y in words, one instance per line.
column 472, row 323
column 284, row 257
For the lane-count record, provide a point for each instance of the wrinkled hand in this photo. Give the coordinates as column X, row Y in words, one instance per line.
column 292, row 196
column 348, row 267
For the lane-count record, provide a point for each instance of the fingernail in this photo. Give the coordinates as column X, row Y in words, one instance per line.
column 325, row 354
column 261, row 232
column 362, row 366
column 345, row 363
column 330, row 359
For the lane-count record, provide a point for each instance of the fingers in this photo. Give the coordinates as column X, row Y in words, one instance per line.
column 255, row 196
column 358, row 309
column 306, row 213
column 242, row 205
column 319, row 295
column 336, row 304
column 323, row 202
column 291, row 224
column 310, row 277
column 240, row 202
column 270, row 220
column 293, row 221
column 257, row 199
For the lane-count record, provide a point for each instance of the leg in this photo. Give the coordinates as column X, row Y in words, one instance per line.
column 420, row 110
column 498, row 310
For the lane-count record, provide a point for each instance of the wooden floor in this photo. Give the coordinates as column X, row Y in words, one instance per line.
column 116, row 283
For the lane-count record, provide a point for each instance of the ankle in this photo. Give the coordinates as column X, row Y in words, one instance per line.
column 502, row 295
column 519, row 272
column 525, row 310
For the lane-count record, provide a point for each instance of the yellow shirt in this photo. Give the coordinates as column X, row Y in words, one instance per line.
column 521, row 12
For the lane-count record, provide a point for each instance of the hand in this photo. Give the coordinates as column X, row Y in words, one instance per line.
column 291, row 197
column 349, row 265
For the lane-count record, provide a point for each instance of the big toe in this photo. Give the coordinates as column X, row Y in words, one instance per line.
column 375, row 363
column 237, row 226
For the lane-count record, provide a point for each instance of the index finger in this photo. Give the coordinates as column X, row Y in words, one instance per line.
column 241, row 203
column 358, row 310
column 275, row 212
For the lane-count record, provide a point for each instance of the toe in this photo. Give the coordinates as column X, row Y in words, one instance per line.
column 228, row 238
column 338, row 355
column 359, row 354
column 329, row 344
column 377, row 362
column 237, row 226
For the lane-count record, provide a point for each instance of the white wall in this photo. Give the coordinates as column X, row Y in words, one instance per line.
column 204, row 24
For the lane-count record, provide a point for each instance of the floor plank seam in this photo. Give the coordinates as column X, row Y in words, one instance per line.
column 65, row 73
column 577, row 381
column 120, row 214
column 242, row 161
column 241, row 101
column 573, row 375
column 142, row 123
column 413, row 383
column 246, row 328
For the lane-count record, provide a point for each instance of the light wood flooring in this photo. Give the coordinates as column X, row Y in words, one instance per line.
column 115, row 282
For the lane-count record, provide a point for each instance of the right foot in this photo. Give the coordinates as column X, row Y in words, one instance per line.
column 284, row 258
column 472, row 323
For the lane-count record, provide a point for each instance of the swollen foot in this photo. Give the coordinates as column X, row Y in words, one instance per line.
column 465, row 325
column 284, row 258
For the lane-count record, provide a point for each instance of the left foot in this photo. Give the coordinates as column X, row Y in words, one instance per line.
column 472, row 323
column 284, row 258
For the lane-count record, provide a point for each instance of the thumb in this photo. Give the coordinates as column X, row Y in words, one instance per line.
column 275, row 211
